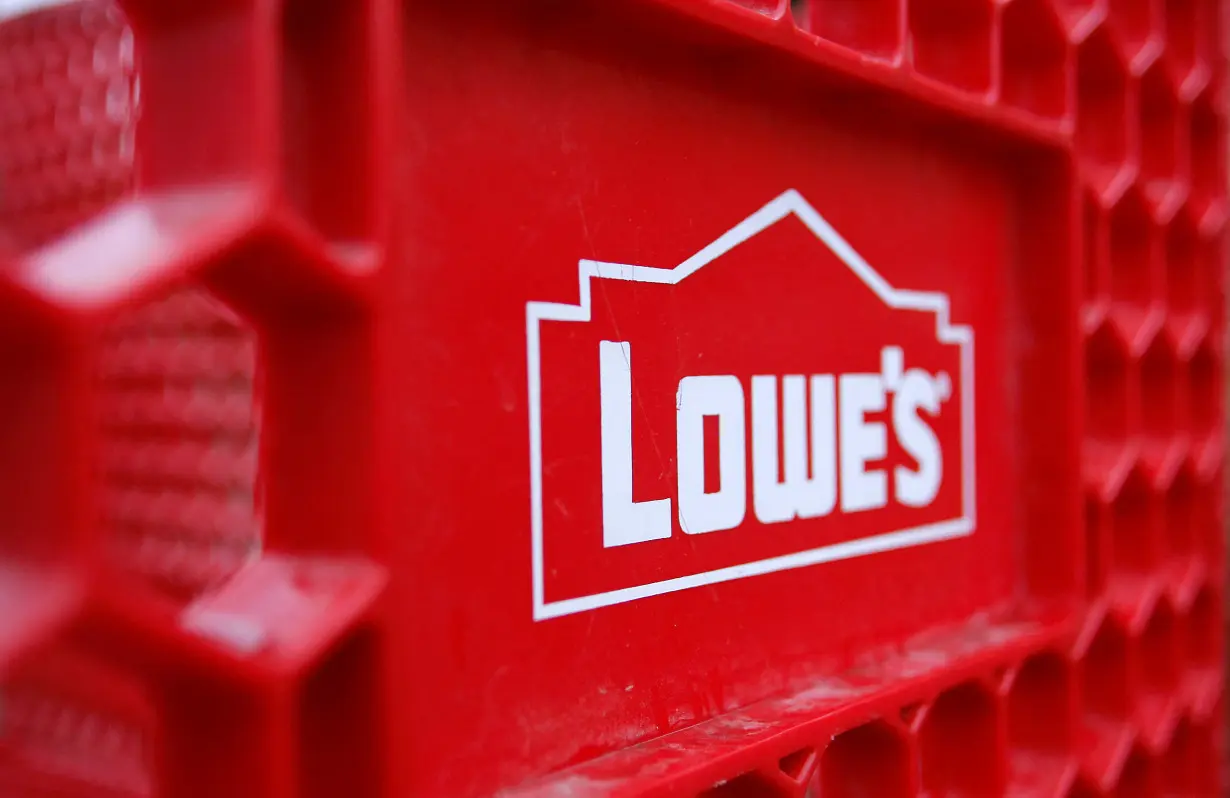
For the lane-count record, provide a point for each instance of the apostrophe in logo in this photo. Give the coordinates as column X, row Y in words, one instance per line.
column 768, row 404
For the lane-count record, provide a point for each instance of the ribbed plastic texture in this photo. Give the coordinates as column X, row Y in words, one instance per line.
column 1127, row 700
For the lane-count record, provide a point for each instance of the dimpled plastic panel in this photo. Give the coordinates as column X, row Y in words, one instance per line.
column 67, row 120
column 263, row 334
column 75, row 727
column 176, row 419
column 179, row 460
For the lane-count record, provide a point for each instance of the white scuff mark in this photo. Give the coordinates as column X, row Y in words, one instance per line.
column 574, row 787
column 829, row 692
column 243, row 635
column 735, row 722
column 17, row 8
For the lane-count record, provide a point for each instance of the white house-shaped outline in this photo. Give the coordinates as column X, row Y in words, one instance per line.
column 779, row 208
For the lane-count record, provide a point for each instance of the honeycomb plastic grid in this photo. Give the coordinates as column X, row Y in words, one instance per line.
column 1126, row 711
column 179, row 406
column 1131, row 705
column 1150, row 139
column 179, row 409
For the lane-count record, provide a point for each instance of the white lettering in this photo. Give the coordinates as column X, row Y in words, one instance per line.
column 820, row 431
column 624, row 521
column 782, row 497
column 862, row 441
column 918, row 391
column 720, row 396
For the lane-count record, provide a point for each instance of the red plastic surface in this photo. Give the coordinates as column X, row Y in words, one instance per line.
column 665, row 397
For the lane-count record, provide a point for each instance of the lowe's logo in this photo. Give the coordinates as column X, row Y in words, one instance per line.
column 768, row 404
